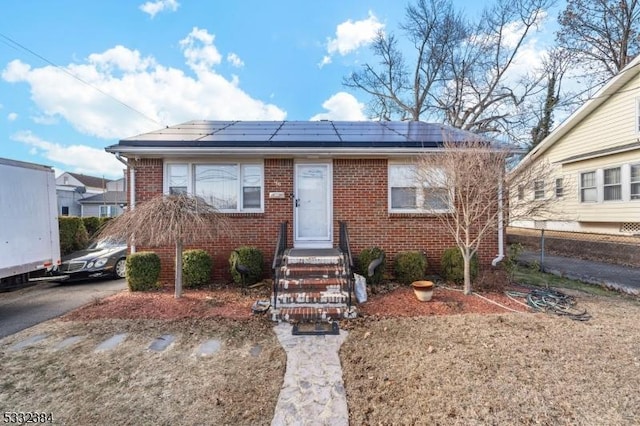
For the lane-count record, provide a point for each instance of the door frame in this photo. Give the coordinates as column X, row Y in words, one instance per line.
column 308, row 243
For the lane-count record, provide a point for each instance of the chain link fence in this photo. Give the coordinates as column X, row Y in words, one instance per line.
column 609, row 248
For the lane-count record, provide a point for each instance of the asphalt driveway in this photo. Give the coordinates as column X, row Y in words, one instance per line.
column 27, row 307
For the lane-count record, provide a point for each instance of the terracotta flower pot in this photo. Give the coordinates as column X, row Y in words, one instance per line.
column 423, row 290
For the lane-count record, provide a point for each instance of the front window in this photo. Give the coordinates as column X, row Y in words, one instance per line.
column 408, row 194
column 635, row 181
column 538, row 189
column 229, row 187
column 588, row 189
column 612, row 185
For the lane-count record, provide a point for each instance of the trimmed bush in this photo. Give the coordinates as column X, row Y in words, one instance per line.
column 250, row 257
column 196, row 268
column 92, row 224
column 143, row 271
column 365, row 258
column 452, row 266
column 73, row 234
column 410, row 266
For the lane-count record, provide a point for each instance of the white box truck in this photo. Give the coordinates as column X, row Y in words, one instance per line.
column 29, row 238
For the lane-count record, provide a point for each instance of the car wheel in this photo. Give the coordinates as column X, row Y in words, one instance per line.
column 120, row 268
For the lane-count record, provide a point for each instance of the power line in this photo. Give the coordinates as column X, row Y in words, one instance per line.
column 15, row 44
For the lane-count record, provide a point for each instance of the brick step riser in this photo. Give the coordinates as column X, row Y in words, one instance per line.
column 303, row 287
column 305, row 298
column 308, row 314
column 294, row 274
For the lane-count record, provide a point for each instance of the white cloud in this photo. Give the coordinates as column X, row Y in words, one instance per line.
column 12, row 116
column 235, row 60
column 154, row 7
column 166, row 95
column 342, row 106
column 76, row 158
column 351, row 35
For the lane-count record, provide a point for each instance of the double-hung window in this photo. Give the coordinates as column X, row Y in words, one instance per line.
column 538, row 189
column 588, row 188
column 559, row 188
column 612, row 185
column 409, row 193
column 229, row 187
column 635, row 181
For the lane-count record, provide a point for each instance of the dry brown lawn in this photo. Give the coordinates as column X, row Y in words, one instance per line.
column 461, row 362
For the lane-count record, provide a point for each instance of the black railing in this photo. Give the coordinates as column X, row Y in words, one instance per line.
column 345, row 248
column 281, row 246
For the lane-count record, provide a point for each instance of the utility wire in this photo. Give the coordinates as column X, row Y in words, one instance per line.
column 12, row 43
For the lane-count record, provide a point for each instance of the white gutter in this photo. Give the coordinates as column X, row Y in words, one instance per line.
column 132, row 187
column 500, row 256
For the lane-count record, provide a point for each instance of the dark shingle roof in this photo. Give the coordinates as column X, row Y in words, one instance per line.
column 109, row 197
column 91, row 181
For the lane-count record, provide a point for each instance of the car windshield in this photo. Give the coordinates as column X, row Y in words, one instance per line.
column 105, row 244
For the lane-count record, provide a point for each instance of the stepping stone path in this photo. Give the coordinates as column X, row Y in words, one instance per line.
column 69, row 341
column 111, row 342
column 27, row 342
column 162, row 343
column 209, row 347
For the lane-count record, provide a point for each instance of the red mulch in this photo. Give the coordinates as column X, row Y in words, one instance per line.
column 224, row 301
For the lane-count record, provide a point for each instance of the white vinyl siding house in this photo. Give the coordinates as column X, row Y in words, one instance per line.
column 597, row 153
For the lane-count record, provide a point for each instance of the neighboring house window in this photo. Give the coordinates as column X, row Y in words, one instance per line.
column 588, row 189
column 612, row 185
column 177, row 175
column 559, row 188
column 407, row 194
column 65, row 211
column 107, row 211
column 228, row 187
column 538, row 190
column 520, row 192
column 635, row 181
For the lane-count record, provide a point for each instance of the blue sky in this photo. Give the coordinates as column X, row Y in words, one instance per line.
column 77, row 76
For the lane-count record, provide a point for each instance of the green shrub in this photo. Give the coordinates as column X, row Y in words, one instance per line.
column 250, row 257
column 143, row 271
column 410, row 266
column 452, row 266
column 92, row 224
column 196, row 268
column 73, row 234
column 365, row 258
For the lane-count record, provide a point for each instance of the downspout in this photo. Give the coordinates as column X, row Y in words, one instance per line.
column 500, row 256
column 132, row 187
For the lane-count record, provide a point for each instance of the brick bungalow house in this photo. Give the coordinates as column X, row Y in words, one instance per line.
column 312, row 175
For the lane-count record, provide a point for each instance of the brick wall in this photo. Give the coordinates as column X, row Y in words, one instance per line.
column 360, row 199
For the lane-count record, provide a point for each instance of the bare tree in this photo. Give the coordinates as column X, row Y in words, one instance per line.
column 470, row 179
column 405, row 89
column 168, row 220
column 604, row 34
column 460, row 73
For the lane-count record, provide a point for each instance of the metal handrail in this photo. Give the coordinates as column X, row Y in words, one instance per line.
column 281, row 246
column 345, row 247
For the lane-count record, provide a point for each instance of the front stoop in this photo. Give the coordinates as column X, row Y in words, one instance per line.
column 312, row 287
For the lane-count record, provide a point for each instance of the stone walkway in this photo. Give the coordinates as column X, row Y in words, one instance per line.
column 313, row 391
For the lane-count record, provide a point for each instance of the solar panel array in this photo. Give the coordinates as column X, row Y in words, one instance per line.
column 301, row 133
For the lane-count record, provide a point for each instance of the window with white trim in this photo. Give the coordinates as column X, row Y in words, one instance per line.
column 229, row 187
column 408, row 195
column 612, row 184
column 559, row 188
column 635, row 182
column 107, row 211
column 588, row 187
column 538, row 189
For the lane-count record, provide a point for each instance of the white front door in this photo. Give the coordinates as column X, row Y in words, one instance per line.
column 313, row 217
